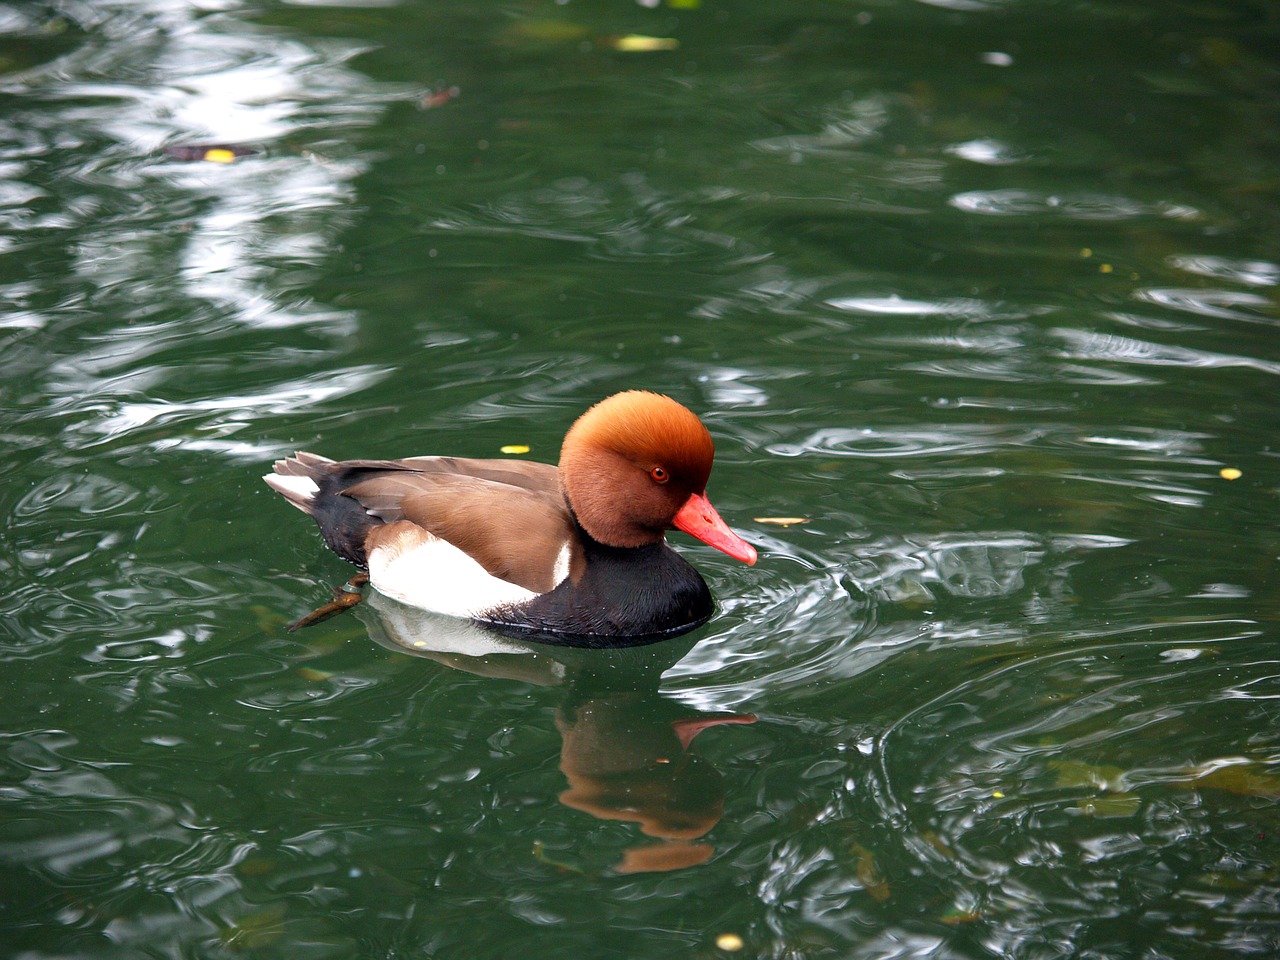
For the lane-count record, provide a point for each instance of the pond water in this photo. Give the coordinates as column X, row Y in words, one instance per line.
column 983, row 291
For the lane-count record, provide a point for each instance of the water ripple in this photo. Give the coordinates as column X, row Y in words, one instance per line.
column 1014, row 680
column 849, row 125
column 1219, row 304
column 1079, row 206
column 237, row 233
column 621, row 218
column 908, row 441
column 117, row 418
column 1255, row 273
column 1048, row 755
column 1091, row 345
column 894, row 305
column 848, row 616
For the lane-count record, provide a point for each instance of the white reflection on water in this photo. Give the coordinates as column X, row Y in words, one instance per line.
column 1015, row 202
column 162, row 253
column 910, row 441
column 193, row 73
column 848, row 125
column 1258, row 273
column 225, row 415
column 1219, row 304
column 731, row 387
column 895, row 305
column 987, row 151
column 958, row 308
column 1091, row 345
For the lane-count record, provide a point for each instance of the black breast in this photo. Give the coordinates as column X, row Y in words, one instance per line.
column 625, row 595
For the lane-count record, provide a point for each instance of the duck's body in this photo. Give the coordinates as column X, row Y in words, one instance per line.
column 576, row 550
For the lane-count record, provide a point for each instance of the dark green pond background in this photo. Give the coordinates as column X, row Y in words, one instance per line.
column 985, row 291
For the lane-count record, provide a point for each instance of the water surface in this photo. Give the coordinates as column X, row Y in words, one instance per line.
column 984, row 292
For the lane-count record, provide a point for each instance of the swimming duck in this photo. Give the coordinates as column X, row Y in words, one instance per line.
column 578, row 550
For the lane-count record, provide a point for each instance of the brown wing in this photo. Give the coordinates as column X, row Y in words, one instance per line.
column 514, row 532
column 525, row 474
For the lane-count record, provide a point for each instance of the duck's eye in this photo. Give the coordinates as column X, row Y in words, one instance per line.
column 659, row 475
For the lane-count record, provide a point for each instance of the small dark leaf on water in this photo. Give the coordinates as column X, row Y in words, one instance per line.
column 540, row 854
column 1241, row 779
column 868, row 874
column 257, row 930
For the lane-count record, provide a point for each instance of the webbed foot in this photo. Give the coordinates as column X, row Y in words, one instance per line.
column 344, row 598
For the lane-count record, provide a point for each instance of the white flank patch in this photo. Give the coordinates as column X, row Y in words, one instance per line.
column 300, row 488
column 433, row 574
column 561, row 569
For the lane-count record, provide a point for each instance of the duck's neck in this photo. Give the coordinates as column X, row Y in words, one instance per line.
column 597, row 547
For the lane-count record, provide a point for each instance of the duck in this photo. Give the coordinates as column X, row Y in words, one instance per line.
column 577, row 549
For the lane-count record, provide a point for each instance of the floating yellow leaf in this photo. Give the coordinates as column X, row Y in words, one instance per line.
column 211, row 152
column 684, row 4
column 638, row 43
column 729, row 941
column 515, row 448
column 781, row 521
column 1105, row 268
column 998, row 794
column 311, row 673
column 1230, row 473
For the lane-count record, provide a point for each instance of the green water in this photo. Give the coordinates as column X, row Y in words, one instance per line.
column 984, row 291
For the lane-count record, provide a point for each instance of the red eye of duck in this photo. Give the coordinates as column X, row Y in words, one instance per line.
column 659, row 475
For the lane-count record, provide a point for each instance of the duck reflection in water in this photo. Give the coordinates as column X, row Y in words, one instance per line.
column 627, row 757
column 626, row 751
